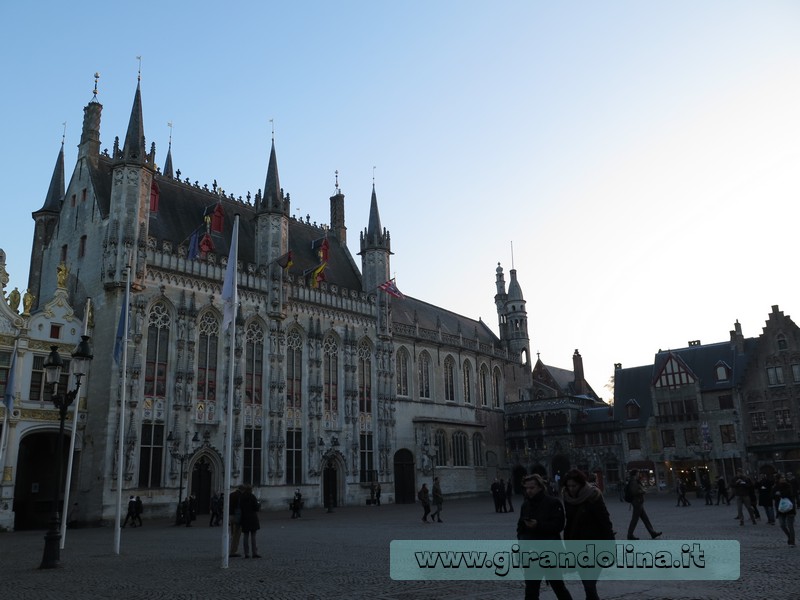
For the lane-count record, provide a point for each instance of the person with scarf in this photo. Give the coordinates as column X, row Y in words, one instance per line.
column 587, row 519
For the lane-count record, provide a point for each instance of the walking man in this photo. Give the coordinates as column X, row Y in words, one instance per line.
column 635, row 492
column 743, row 488
column 425, row 499
column 438, row 499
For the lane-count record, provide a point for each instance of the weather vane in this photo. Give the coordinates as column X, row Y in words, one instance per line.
column 96, row 77
column 139, row 58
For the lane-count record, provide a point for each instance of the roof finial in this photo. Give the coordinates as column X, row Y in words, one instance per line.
column 512, row 254
column 169, row 124
column 337, row 181
column 139, row 58
column 272, row 124
column 373, row 175
column 64, row 135
column 96, row 77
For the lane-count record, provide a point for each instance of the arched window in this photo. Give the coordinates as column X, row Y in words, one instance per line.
column 294, row 407
column 401, row 372
column 632, row 409
column 485, row 390
column 477, row 449
column 254, row 367
column 449, row 379
column 460, row 449
column 151, row 450
column 154, row 195
column 441, row 448
column 330, row 377
column 424, row 375
column 497, row 380
column 364, row 374
column 207, row 358
column 467, row 383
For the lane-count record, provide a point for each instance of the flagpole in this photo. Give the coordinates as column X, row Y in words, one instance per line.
column 68, row 483
column 123, row 400
column 230, row 295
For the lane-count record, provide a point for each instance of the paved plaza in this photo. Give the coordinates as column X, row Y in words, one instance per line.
column 345, row 554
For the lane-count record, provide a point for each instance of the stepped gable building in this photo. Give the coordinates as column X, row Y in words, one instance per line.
column 701, row 412
column 337, row 383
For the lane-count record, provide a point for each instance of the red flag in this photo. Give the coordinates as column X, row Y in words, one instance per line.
column 390, row 288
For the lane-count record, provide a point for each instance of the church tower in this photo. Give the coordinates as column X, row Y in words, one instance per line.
column 376, row 248
column 272, row 216
column 512, row 316
column 129, row 211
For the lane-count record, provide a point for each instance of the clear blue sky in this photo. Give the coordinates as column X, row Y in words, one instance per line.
column 643, row 157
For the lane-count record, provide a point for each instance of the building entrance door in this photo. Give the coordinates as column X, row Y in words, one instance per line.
column 330, row 484
column 201, row 485
column 36, row 477
column 404, row 484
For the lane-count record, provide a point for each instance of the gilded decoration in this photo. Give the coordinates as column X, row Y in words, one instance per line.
column 38, row 414
column 7, row 471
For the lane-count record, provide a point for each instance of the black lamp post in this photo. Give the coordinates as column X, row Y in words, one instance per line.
column 176, row 453
column 81, row 357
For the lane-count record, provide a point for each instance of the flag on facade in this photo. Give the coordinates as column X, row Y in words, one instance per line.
column 318, row 275
column 8, row 395
column 122, row 333
column 390, row 288
column 230, row 292
column 194, row 246
column 285, row 261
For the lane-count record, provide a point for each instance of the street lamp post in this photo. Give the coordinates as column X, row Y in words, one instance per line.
column 182, row 457
column 53, row 364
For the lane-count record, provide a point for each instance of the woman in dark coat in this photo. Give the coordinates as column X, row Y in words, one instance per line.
column 783, row 489
column 249, row 506
column 587, row 519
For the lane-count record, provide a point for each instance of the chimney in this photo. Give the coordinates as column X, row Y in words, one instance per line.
column 737, row 339
column 577, row 365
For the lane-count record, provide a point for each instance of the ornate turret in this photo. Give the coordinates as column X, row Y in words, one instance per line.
column 376, row 248
column 272, row 216
column 338, row 228
column 512, row 316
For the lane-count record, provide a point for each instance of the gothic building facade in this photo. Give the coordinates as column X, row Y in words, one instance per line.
column 339, row 380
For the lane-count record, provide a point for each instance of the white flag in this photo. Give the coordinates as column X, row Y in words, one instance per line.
column 230, row 292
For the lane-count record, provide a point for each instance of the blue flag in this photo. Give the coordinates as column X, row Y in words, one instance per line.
column 8, row 396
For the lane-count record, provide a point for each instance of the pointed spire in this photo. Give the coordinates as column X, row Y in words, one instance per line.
column 168, row 162
column 374, row 228
column 134, row 148
column 273, row 197
column 55, row 193
column 514, row 290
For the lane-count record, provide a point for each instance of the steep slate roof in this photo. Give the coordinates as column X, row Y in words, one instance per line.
column 703, row 359
column 633, row 384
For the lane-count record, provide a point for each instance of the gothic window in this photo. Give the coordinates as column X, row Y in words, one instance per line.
column 783, row 419
column 496, row 387
column 154, row 194
column 441, row 448
column 155, row 371
column 758, row 421
column 460, row 449
column 477, row 449
column 5, row 368
column 251, row 473
column 364, row 374
column 674, row 375
column 254, row 365
column 484, row 386
column 151, row 455
column 796, row 373
column 294, row 457
column 294, row 370
column 401, row 375
column 775, row 375
column 330, row 374
column 207, row 358
column 367, row 459
column 424, row 375
column 467, row 383
column 82, row 247
column 64, row 253
column 449, row 379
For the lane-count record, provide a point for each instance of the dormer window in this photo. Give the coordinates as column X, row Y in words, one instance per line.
column 217, row 219
column 722, row 372
column 632, row 410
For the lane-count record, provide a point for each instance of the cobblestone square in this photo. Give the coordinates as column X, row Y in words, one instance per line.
column 345, row 554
